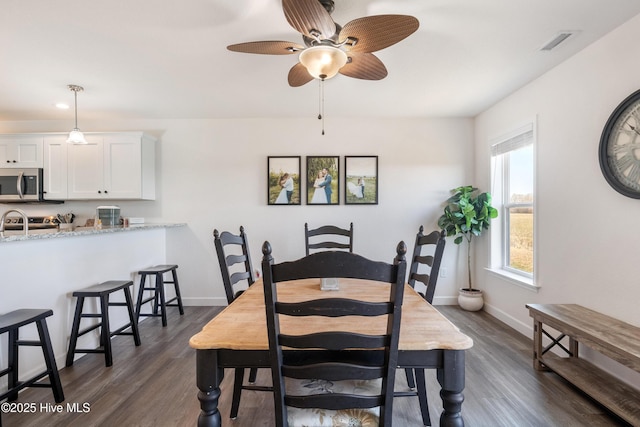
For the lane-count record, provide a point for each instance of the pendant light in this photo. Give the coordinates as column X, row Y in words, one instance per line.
column 75, row 136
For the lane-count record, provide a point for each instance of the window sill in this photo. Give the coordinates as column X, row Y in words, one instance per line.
column 523, row 282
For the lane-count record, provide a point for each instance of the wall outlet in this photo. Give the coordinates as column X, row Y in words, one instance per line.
column 443, row 272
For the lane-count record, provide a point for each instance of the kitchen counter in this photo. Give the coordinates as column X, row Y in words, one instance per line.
column 43, row 269
column 17, row 236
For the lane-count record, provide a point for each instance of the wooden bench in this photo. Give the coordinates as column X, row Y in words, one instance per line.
column 613, row 338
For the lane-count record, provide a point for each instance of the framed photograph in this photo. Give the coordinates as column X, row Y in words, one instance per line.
column 361, row 180
column 283, row 180
column 323, row 180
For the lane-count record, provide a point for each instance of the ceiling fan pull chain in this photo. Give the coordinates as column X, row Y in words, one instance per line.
column 321, row 102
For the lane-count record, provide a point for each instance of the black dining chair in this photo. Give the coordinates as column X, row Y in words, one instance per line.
column 341, row 375
column 236, row 270
column 424, row 271
column 328, row 237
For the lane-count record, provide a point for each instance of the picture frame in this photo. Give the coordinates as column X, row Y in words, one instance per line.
column 361, row 180
column 323, row 180
column 283, row 180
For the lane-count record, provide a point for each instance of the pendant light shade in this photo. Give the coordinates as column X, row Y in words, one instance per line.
column 323, row 62
column 75, row 136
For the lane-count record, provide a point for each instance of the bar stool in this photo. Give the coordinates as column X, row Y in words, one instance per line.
column 11, row 323
column 102, row 291
column 158, row 292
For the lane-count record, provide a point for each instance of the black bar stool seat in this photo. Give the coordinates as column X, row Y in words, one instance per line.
column 102, row 291
column 160, row 303
column 11, row 323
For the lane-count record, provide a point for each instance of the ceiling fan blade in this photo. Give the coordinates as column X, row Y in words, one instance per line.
column 298, row 75
column 267, row 47
column 308, row 15
column 377, row 32
column 364, row 66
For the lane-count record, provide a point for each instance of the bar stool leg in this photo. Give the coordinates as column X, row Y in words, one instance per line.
column 13, row 363
column 163, row 302
column 177, row 287
column 105, row 334
column 75, row 328
column 132, row 317
column 50, row 360
column 143, row 278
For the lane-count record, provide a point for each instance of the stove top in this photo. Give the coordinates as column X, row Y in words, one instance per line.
column 35, row 222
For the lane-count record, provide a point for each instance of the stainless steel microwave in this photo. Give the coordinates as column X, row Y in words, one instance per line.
column 18, row 185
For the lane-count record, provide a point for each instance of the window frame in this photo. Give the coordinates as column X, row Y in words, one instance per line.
column 521, row 137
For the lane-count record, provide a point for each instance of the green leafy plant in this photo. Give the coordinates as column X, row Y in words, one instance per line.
column 467, row 213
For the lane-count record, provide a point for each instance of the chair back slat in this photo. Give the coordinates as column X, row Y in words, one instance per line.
column 233, row 252
column 432, row 245
column 334, row 307
column 334, row 355
column 341, row 238
column 333, row 371
column 334, row 340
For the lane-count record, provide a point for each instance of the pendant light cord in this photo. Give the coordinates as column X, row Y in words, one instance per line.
column 75, row 96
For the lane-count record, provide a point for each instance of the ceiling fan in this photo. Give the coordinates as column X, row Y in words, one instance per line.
column 328, row 48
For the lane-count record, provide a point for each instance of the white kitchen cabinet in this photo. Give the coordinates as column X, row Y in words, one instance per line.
column 21, row 151
column 55, row 167
column 112, row 166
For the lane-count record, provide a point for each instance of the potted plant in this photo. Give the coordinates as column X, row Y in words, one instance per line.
column 467, row 213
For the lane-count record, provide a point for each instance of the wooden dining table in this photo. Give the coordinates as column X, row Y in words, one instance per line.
column 237, row 337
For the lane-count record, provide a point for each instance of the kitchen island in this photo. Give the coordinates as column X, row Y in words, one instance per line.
column 44, row 268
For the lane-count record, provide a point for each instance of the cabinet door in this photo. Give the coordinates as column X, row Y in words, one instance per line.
column 55, row 167
column 123, row 166
column 85, row 169
column 21, row 151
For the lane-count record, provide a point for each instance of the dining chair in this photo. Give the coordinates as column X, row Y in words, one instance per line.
column 318, row 238
column 424, row 270
column 236, row 270
column 343, row 377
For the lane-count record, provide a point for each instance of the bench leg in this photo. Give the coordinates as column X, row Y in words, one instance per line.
column 132, row 316
column 50, row 360
column 163, row 302
column 537, row 345
column 105, row 334
column 73, row 339
column 13, row 380
column 175, row 284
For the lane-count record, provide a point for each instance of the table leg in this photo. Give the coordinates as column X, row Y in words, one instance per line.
column 208, row 378
column 451, row 379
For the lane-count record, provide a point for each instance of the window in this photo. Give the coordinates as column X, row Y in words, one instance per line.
column 512, row 247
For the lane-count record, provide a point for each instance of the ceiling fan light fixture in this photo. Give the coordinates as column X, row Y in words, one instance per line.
column 323, row 62
column 75, row 136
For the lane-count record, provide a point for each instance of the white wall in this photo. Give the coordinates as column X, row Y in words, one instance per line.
column 587, row 241
column 212, row 174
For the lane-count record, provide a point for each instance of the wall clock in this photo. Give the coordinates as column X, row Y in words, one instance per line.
column 620, row 147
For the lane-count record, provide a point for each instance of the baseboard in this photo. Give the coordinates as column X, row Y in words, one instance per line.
column 525, row 329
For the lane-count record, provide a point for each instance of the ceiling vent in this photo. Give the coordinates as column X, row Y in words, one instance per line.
column 557, row 39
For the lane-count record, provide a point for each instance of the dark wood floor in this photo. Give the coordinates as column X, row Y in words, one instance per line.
column 154, row 384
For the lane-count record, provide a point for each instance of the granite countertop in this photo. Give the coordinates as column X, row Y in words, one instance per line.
column 16, row 236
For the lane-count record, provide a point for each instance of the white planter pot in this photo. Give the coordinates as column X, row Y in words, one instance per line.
column 470, row 300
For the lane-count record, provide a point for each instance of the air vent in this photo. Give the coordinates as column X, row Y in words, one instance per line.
column 557, row 39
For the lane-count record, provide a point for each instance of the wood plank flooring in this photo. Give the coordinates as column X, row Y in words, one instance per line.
column 154, row 384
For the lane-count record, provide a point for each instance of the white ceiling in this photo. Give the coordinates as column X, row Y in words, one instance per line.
column 168, row 58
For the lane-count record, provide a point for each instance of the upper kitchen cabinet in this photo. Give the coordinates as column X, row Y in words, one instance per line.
column 55, row 167
column 21, row 151
column 112, row 166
